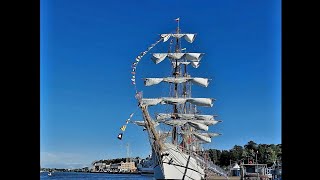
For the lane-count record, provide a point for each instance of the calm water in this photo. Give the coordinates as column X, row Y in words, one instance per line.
column 93, row 176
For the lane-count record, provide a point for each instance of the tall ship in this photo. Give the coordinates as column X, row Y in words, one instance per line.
column 177, row 134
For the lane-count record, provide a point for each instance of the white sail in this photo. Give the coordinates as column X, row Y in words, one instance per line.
column 168, row 100
column 139, row 123
column 142, row 123
column 175, row 122
column 180, row 122
column 201, row 101
column 194, row 64
column 202, row 137
column 211, row 134
column 203, row 119
column 194, row 58
column 162, row 116
column 207, row 134
column 188, row 37
column 198, row 125
column 199, row 81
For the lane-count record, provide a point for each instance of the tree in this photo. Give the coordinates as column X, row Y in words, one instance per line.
column 236, row 153
column 251, row 145
column 262, row 153
column 225, row 158
column 214, row 155
column 272, row 156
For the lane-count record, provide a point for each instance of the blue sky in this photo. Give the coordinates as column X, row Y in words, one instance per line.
column 86, row 52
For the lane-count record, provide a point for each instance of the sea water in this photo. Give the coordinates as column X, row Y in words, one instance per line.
column 93, row 176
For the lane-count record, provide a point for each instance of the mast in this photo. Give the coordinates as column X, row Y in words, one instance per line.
column 176, row 73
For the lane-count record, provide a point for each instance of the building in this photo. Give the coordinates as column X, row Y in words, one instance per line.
column 127, row 167
column 99, row 167
column 115, row 167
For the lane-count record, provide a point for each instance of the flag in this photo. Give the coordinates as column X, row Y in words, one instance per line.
column 120, row 136
column 183, row 49
column 138, row 95
column 123, row 128
column 131, row 115
column 178, row 19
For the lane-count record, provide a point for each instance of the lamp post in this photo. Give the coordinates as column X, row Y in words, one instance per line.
column 257, row 164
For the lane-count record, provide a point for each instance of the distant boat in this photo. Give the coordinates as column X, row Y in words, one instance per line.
column 49, row 174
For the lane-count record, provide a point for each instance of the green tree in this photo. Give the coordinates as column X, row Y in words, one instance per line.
column 251, row 145
column 272, row 156
column 236, row 153
column 262, row 153
column 224, row 158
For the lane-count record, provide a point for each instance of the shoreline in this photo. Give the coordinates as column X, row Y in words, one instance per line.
column 117, row 172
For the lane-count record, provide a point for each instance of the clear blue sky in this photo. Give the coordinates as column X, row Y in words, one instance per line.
column 88, row 46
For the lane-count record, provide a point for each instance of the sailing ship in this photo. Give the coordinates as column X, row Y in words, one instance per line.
column 178, row 153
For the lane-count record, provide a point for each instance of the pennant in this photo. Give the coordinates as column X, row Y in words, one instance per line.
column 138, row 95
column 138, row 58
column 120, row 136
column 123, row 128
column 133, row 79
column 133, row 76
column 131, row 115
column 178, row 19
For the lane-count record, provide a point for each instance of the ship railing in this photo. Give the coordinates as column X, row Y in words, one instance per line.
column 209, row 165
column 217, row 169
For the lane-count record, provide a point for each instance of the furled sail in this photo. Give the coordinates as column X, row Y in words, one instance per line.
column 188, row 37
column 193, row 58
column 202, row 137
column 142, row 123
column 180, row 122
column 199, row 81
column 203, row 119
column 211, row 134
column 162, row 116
column 198, row 125
column 168, row 100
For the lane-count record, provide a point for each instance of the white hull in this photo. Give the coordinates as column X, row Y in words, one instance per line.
column 182, row 166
